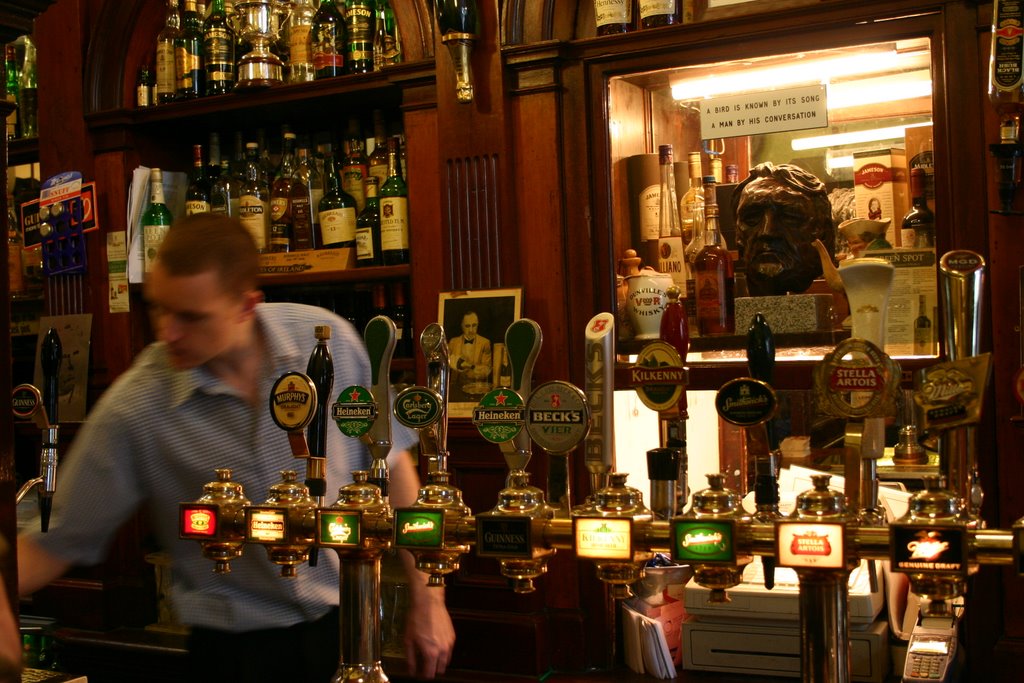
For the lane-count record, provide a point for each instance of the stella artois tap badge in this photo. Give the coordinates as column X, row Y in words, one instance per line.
column 857, row 380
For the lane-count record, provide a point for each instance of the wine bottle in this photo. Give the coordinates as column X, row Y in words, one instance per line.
column 197, row 197
column 655, row 13
column 714, row 275
column 304, row 230
column 156, row 220
column 280, row 198
column 613, row 16
column 394, row 212
column 918, row 229
column 922, row 329
column 218, row 50
column 166, row 82
column 188, row 54
column 360, row 21
column 254, row 199
column 368, row 229
column 337, row 211
column 328, row 39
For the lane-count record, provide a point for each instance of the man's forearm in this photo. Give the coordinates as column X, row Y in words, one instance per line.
column 36, row 567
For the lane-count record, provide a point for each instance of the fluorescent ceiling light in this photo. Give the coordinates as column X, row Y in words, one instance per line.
column 904, row 86
column 852, row 138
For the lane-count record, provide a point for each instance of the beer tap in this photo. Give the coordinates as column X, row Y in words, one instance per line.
column 434, row 439
column 523, row 339
column 217, row 521
column 379, row 336
column 599, row 387
column 285, row 523
column 320, row 369
column 28, row 403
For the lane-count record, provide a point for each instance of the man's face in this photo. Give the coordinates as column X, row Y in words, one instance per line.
column 195, row 317
column 775, row 227
column 470, row 325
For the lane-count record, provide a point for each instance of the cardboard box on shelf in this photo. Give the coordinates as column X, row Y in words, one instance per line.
column 308, row 261
column 881, row 188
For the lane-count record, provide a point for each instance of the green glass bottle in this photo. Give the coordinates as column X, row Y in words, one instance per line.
column 197, row 197
column 368, row 229
column 166, row 45
column 28, row 93
column 11, row 88
column 156, row 220
column 218, row 50
column 188, row 54
column 394, row 212
column 360, row 21
column 337, row 211
column 329, row 41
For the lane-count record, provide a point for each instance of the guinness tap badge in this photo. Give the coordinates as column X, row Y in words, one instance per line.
column 857, row 380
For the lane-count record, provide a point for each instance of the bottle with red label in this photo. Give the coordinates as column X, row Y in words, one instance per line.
column 329, row 41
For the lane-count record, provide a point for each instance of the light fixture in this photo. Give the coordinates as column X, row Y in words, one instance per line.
column 855, row 137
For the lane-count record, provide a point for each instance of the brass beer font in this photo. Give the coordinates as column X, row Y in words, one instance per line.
column 285, row 523
column 217, row 520
column 433, row 528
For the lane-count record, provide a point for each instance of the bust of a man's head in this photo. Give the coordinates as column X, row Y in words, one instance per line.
column 780, row 211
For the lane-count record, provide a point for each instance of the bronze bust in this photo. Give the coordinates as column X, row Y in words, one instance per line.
column 780, row 210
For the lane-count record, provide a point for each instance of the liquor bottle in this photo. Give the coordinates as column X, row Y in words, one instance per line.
column 654, row 13
column 300, row 42
column 378, row 161
column 399, row 312
column 320, row 369
column 613, row 16
column 28, row 92
column 714, row 273
column 675, row 329
column 329, row 41
column 360, row 22
column 254, row 199
column 197, row 197
column 224, row 192
column 11, row 75
column 368, row 229
column 918, row 229
column 280, row 196
column 15, row 274
column 691, row 206
column 337, row 211
column 188, row 54
column 387, row 42
column 355, row 167
column 266, row 164
column 305, row 232
column 156, row 220
column 213, row 162
column 166, row 81
column 1006, row 67
column 394, row 212
column 922, row 329
column 504, row 369
column 218, row 50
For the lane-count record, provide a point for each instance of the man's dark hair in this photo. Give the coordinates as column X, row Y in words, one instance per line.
column 206, row 242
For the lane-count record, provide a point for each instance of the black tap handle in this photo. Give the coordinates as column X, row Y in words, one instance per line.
column 761, row 365
column 760, row 349
column 51, row 353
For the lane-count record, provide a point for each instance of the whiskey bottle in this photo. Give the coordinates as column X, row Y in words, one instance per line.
column 360, row 22
column 337, row 211
column 11, row 74
column 368, row 229
column 922, row 329
column 188, row 54
column 714, row 273
column 197, row 197
column 691, row 206
column 218, row 50
column 280, row 196
column 394, row 212
column 300, row 42
column 1006, row 67
column 378, row 161
column 355, row 167
column 654, row 13
column 254, row 199
column 387, row 41
column 156, row 220
column 328, row 41
column 166, row 82
column 304, row 232
column 918, row 229
column 224, row 192
column 613, row 16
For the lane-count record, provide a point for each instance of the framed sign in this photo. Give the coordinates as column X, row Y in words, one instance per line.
column 475, row 323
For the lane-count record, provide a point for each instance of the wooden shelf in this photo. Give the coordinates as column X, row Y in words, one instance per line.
column 346, row 276
column 22, row 151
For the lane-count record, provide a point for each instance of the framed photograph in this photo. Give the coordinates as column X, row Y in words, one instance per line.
column 475, row 323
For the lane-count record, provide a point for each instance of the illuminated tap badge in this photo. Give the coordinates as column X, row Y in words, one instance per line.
column 703, row 541
column 355, row 411
column 659, row 376
column 746, row 402
column 418, row 407
column 603, row 538
column 500, row 415
column 419, row 528
column 557, row 416
column 928, row 549
column 504, row 536
column 25, row 400
column 338, row 529
column 198, row 521
column 810, row 545
column 857, row 380
column 293, row 401
column 266, row 524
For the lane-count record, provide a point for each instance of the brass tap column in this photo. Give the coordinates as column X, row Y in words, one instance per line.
column 284, row 524
column 431, row 528
column 217, row 520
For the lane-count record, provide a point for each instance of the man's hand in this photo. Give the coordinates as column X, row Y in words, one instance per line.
column 429, row 635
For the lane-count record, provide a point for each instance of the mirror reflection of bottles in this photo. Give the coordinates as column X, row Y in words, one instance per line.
column 923, row 328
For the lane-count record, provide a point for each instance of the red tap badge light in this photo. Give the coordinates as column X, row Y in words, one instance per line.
column 810, row 545
column 198, row 521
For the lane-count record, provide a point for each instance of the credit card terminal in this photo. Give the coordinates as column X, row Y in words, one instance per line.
column 930, row 654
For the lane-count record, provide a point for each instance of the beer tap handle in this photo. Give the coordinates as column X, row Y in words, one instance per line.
column 51, row 355
column 761, row 364
column 435, row 351
column 600, row 392
column 523, row 339
column 379, row 335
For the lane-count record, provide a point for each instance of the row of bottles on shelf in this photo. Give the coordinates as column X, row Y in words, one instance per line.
column 21, row 87
column 325, row 199
column 623, row 16
column 200, row 49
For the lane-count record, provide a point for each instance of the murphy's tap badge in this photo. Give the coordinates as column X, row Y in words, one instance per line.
column 950, row 394
column 293, row 401
column 658, row 376
column 557, row 417
column 929, row 549
column 746, row 402
column 500, row 415
column 857, row 380
column 355, row 411
column 418, row 407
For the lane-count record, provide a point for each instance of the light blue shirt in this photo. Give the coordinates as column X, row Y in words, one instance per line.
column 156, row 437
